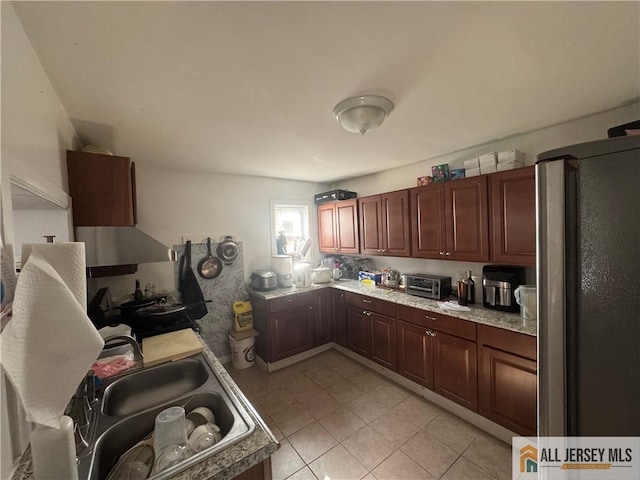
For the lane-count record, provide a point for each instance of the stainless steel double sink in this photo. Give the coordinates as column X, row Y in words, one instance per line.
column 126, row 413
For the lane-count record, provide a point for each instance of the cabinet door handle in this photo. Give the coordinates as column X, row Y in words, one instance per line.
column 433, row 334
column 433, row 319
column 366, row 312
column 442, row 252
column 290, row 300
column 310, row 307
column 447, row 254
column 364, row 300
column 384, row 250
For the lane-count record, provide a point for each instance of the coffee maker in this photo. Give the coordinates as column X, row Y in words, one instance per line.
column 499, row 283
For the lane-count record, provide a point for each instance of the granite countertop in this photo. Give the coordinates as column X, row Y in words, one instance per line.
column 478, row 314
column 224, row 465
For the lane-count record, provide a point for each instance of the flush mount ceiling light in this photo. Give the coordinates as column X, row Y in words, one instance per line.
column 359, row 114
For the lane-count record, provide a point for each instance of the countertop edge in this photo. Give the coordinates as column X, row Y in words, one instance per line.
column 224, row 465
column 478, row 314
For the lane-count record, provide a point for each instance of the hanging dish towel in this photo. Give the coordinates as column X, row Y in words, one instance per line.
column 189, row 287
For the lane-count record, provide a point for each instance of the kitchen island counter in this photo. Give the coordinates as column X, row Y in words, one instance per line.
column 477, row 314
column 227, row 464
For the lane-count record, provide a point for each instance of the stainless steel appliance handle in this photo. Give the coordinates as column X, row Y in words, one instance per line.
column 550, row 254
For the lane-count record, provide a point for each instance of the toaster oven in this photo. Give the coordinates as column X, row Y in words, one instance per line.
column 436, row 287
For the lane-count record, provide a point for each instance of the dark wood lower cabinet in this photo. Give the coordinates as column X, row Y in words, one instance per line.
column 508, row 379
column 261, row 471
column 415, row 353
column 383, row 340
column 358, row 331
column 455, row 373
column 292, row 331
column 485, row 369
column 323, row 300
column 339, row 318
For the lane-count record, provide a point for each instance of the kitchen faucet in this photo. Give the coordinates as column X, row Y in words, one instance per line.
column 137, row 352
column 81, row 404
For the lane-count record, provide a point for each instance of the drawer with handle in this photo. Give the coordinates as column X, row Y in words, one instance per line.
column 437, row 321
column 371, row 304
column 290, row 301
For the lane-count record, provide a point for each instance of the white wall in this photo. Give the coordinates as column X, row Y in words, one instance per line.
column 586, row 129
column 36, row 131
column 174, row 203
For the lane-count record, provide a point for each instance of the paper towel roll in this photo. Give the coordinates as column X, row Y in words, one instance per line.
column 50, row 343
column 68, row 259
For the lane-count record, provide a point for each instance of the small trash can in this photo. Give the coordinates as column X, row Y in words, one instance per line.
column 242, row 348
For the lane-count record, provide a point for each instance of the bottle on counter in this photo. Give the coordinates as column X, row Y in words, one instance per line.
column 137, row 294
column 471, row 288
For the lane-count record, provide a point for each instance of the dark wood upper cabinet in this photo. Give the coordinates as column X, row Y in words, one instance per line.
column 370, row 213
column 467, row 219
column 384, row 224
column 338, row 227
column 327, row 241
column 428, row 221
column 451, row 220
column 508, row 378
column 102, row 189
column 513, row 208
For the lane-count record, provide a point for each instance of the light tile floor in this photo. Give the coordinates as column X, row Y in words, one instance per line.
column 336, row 419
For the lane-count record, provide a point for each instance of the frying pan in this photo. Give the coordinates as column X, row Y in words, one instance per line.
column 209, row 267
column 228, row 250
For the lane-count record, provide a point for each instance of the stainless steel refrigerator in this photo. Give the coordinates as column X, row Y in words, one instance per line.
column 588, row 250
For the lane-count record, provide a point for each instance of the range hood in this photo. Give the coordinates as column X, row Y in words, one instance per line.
column 111, row 246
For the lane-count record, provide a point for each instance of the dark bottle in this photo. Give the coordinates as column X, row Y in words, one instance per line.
column 137, row 294
column 471, row 288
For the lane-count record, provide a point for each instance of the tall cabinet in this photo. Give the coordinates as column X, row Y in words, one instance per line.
column 513, row 208
column 384, row 224
column 338, row 227
column 103, row 189
column 451, row 220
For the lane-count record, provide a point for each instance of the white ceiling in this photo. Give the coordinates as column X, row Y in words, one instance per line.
column 249, row 88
